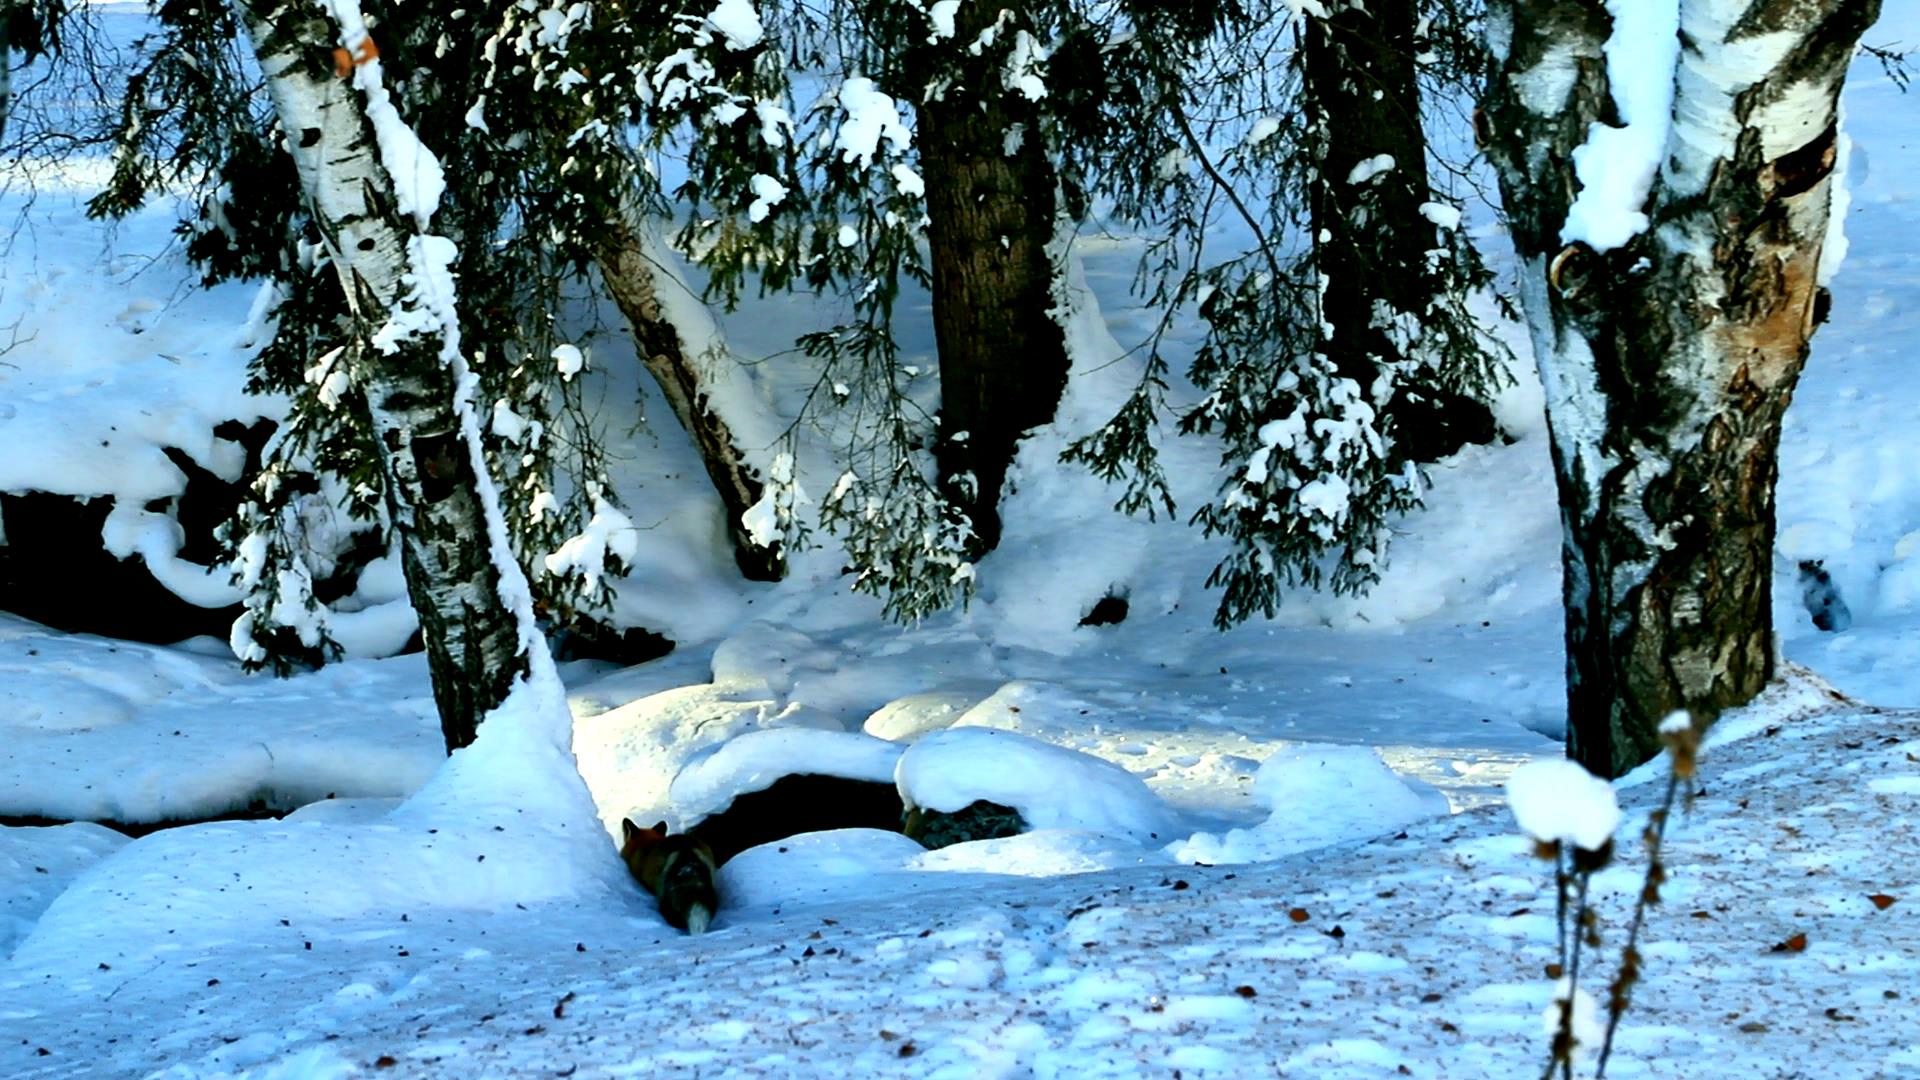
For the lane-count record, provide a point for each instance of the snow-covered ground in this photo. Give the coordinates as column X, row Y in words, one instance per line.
column 1302, row 869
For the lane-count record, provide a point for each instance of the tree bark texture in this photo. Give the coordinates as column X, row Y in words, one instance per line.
column 990, row 192
column 1362, row 94
column 630, row 270
column 472, row 638
column 1669, row 361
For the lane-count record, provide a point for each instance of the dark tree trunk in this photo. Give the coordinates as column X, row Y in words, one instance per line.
column 1668, row 361
column 1362, row 95
column 1003, row 358
column 472, row 637
column 627, row 266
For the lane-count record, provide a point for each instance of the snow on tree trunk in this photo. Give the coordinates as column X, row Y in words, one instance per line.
column 1667, row 173
column 630, row 267
column 1362, row 95
column 371, row 188
column 990, row 209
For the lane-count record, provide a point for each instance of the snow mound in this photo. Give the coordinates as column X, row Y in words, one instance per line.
column 769, row 656
column 1038, row 709
column 813, row 867
column 1316, row 795
column 505, row 823
column 36, row 865
column 755, row 759
column 98, row 730
column 1046, row 853
column 906, row 719
column 630, row 755
column 1052, row 787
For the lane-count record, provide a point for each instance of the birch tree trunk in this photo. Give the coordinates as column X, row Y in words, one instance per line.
column 1669, row 355
column 630, row 269
column 373, row 232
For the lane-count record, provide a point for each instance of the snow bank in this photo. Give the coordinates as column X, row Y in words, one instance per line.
column 906, row 719
column 1045, row 853
column 37, row 865
column 505, row 823
column 753, row 760
column 1052, row 787
column 92, row 729
column 814, row 867
column 631, row 754
column 1317, row 795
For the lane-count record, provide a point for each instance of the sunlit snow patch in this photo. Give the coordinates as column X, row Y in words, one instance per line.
column 1317, row 795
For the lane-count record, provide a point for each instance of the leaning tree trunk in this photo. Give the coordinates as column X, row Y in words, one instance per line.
column 1362, row 99
column 377, row 245
column 990, row 210
column 631, row 271
column 1669, row 354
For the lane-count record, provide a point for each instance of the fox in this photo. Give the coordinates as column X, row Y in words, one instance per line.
column 676, row 869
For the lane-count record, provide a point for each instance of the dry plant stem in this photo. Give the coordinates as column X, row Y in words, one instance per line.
column 1560, row 899
column 1656, row 834
column 1562, row 1050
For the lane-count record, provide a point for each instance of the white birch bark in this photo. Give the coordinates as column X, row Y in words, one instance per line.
column 1670, row 349
column 372, row 190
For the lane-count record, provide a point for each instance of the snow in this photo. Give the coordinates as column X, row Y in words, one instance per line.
column 1051, row 786
column 443, row 919
column 1442, row 215
column 739, row 22
column 1561, row 802
column 1365, row 171
column 753, row 760
column 1616, row 165
column 1317, row 796
column 871, row 117
column 767, row 193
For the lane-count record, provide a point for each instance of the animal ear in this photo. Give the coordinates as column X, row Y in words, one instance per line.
column 628, row 830
column 660, row 828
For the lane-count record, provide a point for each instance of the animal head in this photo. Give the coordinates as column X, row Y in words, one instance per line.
column 641, row 850
column 650, row 854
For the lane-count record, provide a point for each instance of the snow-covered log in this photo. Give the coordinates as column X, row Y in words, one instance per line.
column 372, row 189
column 1667, row 170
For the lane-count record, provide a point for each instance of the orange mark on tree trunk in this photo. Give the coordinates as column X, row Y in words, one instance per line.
column 344, row 62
